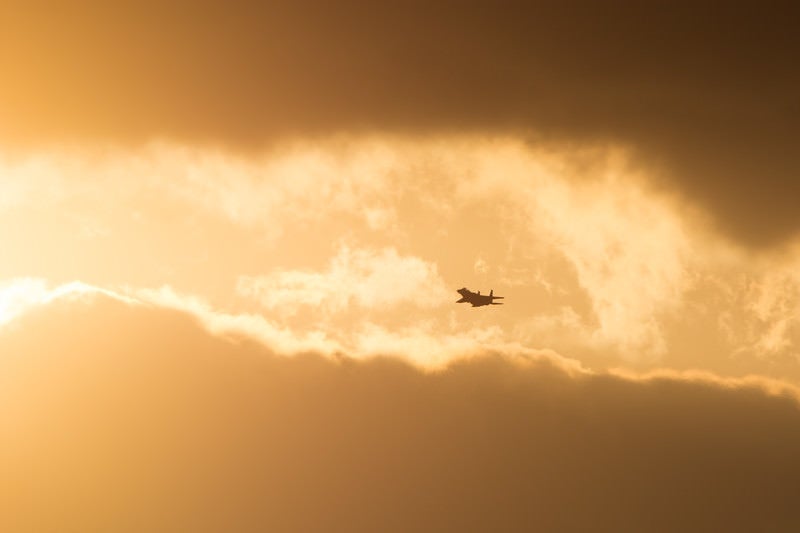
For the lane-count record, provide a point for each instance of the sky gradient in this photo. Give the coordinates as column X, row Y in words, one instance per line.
column 232, row 235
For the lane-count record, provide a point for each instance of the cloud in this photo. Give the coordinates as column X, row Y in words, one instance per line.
column 480, row 266
column 292, row 183
column 297, row 182
column 423, row 343
column 763, row 308
column 627, row 244
column 280, row 339
column 707, row 98
column 129, row 417
column 590, row 256
column 19, row 296
column 420, row 343
column 373, row 279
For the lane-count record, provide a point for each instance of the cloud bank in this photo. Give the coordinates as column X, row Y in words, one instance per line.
column 132, row 417
column 705, row 95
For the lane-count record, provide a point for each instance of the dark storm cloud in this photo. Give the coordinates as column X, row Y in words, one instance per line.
column 706, row 93
column 117, row 418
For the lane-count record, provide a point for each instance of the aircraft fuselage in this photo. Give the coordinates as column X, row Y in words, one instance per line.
column 476, row 299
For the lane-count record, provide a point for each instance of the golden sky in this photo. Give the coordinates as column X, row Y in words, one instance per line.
column 232, row 234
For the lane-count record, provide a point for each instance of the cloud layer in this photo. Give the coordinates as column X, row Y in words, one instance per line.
column 372, row 279
column 705, row 95
column 129, row 417
column 353, row 244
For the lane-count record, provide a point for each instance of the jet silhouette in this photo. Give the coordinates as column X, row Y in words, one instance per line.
column 476, row 299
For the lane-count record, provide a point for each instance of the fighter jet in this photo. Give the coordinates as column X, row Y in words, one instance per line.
column 476, row 299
